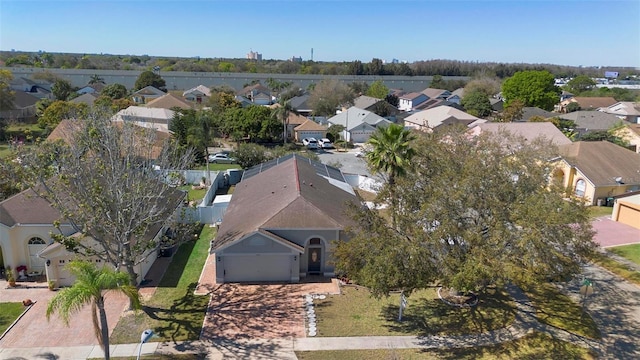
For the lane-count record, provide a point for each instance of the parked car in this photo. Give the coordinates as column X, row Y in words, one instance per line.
column 221, row 158
column 325, row 143
column 310, row 143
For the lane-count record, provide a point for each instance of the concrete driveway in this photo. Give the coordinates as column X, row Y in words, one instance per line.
column 612, row 233
column 349, row 163
column 33, row 329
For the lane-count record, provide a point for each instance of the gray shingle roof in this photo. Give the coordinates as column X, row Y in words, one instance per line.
column 592, row 120
column 27, row 208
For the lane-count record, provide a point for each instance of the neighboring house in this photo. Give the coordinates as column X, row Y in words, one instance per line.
column 564, row 95
column 24, row 107
column 438, row 117
column 309, row 128
column 590, row 121
column 358, row 124
column 496, row 104
column 281, row 222
column 436, row 93
column 597, row 170
column 411, row 100
column 26, row 224
column 530, row 111
column 587, row 103
column 527, row 131
column 293, row 121
column 625, row 110
column 41, row 90
column 146, row 94
column 374, row 104
column 169, row 101
column 91, row 89
column 299, row 103
column 257, row 94
column 626, row 209
column 197, row 94
column 86, row 98
column 631, row 134
column 156, row 118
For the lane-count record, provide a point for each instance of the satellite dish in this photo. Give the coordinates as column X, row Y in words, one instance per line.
column 619, row 179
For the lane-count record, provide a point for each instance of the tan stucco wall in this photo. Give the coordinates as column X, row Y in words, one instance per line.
column 632, row 201
column 14, row 241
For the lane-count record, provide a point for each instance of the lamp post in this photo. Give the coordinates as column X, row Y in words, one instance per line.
column 144, row 337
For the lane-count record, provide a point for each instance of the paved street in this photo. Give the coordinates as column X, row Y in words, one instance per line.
column 348, row 162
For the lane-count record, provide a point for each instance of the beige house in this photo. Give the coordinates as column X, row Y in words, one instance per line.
column 587, row 103
column 309, row 129
column 626, row 209
column 631, row 134
column 597, row 171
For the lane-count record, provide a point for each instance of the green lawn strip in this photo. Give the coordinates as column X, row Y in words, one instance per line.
column 9, row 312
column 622, row 270
column 629, row 252
column 218, row 167
column 532, row 346
column 556, row 309
column 599, row 211
column 193, row 194
column 356, row 313
column 173, row 312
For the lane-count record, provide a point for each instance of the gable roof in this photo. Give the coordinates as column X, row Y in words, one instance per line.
column 149, row 91
column 364, row 102
column 27, row 208
column 86, row 98
column 300, row 102
column 623, row 108
column 601, row 162
column 526, row 130
column 168, row 101
column 310, row 125
column 593, row 102
column 254, row 89
column 23, row 99
column 591, row 120
column 354, row 116
column 286, row 193
column 413, row 96
column 436, row 93
column 530, row 111
column 434, row 117
column 200, row 88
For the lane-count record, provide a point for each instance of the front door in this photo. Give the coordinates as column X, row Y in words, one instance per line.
column 314, row 261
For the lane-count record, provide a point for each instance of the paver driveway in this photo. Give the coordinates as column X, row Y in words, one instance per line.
column 612, row 233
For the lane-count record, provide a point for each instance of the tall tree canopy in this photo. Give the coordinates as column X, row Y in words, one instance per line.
column 61, row 89
column 377, row 90
column 104, row 181
column 580, row 84
column 471, row 213
column 6, row 94
column 477, row 103
column 328, row 95
column 533, row 88
column 149, row 78
column 114, row 91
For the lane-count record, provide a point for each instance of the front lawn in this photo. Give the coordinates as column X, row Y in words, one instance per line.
column 193, row 194
column 629, row 252
column 356, row 313
column 9, row 312
column 173, row 312
column 600, row 211
column 532, row 346
column 558, row 310
column 218, row 167
column 622, row 270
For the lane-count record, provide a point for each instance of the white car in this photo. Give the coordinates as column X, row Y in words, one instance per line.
column 310, row 143
column 325, row 143
column 221, row 159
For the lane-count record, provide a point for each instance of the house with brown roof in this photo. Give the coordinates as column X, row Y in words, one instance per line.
column 587, row 103
column 597, row 170
column 527, row 131
column 24, row 107
column 281, row 222
column 626, row 209
column 625, row 110
column 439, row 117
column 257, row 94
column 169, row 101
column 146, row 94
column 309, row 129
column 631, row 134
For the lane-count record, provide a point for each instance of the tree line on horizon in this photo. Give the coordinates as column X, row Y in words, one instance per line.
column 376, row 66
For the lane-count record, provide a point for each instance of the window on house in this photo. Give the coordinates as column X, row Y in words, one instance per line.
column 581, row 186
column 36, row 241
column 314, row 241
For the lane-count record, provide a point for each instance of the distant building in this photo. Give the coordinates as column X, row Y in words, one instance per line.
column 253, row 55
column 296, row 59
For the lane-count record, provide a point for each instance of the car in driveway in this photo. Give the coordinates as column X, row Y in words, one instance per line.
column 325, row 143
column 310, row 143
column 221, row 158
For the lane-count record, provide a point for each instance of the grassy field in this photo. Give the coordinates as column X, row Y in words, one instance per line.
column 174, row 312
column 618, row 268
column 629, row 252
column 532, row 346
column 9, row 312
column 356, row 313
column 599, row 211
column 558, row 310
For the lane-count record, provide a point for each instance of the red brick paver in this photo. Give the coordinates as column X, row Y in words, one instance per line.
column 612, row 233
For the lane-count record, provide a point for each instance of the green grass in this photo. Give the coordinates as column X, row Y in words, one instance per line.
column 618, row 268
column 599, row 211
column 532, row 346
column 218, row 167
column 356, row 313
column 9, row 312
column 193, row 194
column 173, row 312
column 558, row 310
column 629, row 252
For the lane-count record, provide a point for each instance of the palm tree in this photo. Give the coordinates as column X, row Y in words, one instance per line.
column 282, row 113
column 90, row 286
column 96, row 79
column 390, row 155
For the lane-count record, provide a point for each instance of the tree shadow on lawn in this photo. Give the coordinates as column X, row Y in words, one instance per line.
column 423, row 317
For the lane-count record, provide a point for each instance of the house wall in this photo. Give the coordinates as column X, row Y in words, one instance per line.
column 632, row 200
column 14, row 242
column 318, row 134
column 302, row 237
column 630, row 136
column 257, row 243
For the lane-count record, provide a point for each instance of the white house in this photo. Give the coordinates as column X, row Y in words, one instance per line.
column 411, row 100
column 359, row 124
column 433, row 118
column 156, row 118
column 197, row 94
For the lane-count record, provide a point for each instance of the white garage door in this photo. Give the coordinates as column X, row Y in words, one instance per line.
column 628, row 215
column 247, row 268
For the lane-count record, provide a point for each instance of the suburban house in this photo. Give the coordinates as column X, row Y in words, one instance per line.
column 376, row 105
column 411, row 100
column 590, row 121
column 530, row 111
column 587, row 103
column 86, row 98
column 624, row 110
column 631, row 134
column 358, row 124
column 309, row 129
column 25, row 238
column 169, row 101
column 197, row 94
column 257, row 94
column 24, row 107
column 436, row 93
column 156, row 118
column 39, row 89
column 496, row 104
column 597, row 170
column 292, row 122
column 146, row 94
column 626, row 209
column 299, row 103
column 564, row 95
column 91, row 89
column 281, row 222
column 440, row 116
column 528, row 131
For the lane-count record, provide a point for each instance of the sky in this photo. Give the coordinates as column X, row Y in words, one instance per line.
column 562, row 32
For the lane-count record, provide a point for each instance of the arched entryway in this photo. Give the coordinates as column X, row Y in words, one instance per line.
column 558, row 177
column 36, row 245
column 315, row 256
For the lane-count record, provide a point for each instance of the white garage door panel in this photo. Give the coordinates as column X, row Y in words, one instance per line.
column 247, row 268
